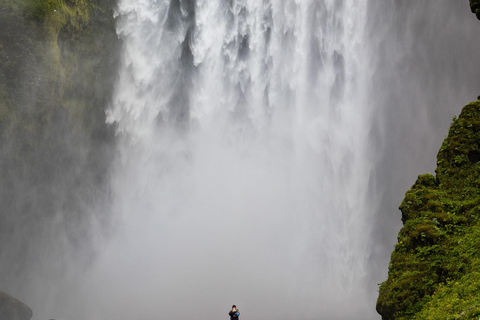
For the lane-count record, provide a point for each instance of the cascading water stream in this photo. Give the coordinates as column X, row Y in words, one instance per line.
column 263, row 150
column 244, row 169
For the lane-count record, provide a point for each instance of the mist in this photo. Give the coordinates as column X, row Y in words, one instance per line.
column 426, row 69
column 262, row 151
column 55, row 152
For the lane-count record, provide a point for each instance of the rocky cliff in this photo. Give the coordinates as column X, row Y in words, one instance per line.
column 434, row 268
column 475, row 6
column 58, row 62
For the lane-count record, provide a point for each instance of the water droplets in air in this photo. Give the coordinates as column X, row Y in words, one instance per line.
column 243, row 170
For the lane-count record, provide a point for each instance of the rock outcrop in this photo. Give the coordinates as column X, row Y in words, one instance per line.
column 13, row 309
column 475, row 6
column 434, row 270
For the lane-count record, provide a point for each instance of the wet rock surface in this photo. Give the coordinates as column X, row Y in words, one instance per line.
column 13, row 309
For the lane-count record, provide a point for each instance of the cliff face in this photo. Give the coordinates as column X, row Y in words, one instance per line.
column 434, row 269
column 57, row 69
column 475, row 6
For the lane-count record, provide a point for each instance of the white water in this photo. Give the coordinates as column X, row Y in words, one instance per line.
column 244, row 169
column 266, row 206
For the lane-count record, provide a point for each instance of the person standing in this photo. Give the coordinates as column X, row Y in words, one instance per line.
column 234, row 313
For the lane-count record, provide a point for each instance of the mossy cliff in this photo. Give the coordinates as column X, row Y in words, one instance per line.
column 475, row 6
column 434, row 272
column 58, row 60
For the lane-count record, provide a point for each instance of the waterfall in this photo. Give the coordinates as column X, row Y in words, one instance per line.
column 262, row 150
column 243, row 168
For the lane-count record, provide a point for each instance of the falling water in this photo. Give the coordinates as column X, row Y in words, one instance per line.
column 243, row 172
column 263, row 149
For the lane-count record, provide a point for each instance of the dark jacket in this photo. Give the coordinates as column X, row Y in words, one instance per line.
column 234, row 314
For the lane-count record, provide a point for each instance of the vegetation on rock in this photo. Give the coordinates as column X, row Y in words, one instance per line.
column 58, row 63
column 475, row 6
column 433, row 272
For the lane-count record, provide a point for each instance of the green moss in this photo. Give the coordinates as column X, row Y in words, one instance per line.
column 57, row 72
column 432, row 273
column 475, row 7
column 40, row 9
column 50, row 53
